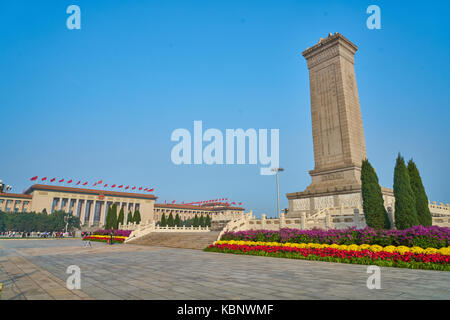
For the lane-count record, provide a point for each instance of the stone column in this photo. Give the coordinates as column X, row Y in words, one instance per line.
column 303, row 220
column 282, row 220
column 91, row 213
column 82, row 211
column 263, row 221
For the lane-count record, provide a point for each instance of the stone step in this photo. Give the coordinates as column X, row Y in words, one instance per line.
column 187, row 240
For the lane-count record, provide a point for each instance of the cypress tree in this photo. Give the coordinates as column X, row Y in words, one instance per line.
column 201, row 221
column 163, row 220
column 373, row 203
column 129, row 217
column 137, row 217
column 120, row 218
column 422, row 209
column 177, row 220
column 195, row 223
column 108, row 219
column 405, row 202
column 208, row 221
column 111, row 217
column 170, row 221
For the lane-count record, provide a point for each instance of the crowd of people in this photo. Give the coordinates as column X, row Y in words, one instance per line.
column 38, row 234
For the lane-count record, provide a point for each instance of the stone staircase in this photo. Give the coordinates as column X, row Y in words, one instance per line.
column 187, row 240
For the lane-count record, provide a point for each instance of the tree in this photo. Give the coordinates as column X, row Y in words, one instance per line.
column 373, row 203
column 405, row 202
column 129, row 217
column 201, row 221
column 121, row 218
column 111, row 218
column 170, row 221
column 163, row 223
column 422, row 208
column 137, row 217
column 177, row 220
column 208, row 221
column 195, row 223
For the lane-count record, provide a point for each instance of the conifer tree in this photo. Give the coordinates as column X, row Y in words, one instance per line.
column 201, row 221
column 137, row 217
column 108, row 219
column 373, row 203
column 422, row 209
column 129, row 217
column 195, row 223
column 170, row 221
column 405, row 202
column 162, row 223
column 113, row 217
column 177, row 220
column 120, row 218
column 208, row 221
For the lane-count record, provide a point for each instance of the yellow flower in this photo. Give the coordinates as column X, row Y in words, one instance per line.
column 417, row 250
column 389, row 249
column 353, row 247
column 375, row 248
column 431, row 250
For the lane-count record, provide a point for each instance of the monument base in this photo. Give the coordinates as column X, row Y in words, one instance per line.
column 345, row 198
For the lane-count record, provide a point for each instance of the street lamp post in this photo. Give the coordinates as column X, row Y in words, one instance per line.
column 278, row 170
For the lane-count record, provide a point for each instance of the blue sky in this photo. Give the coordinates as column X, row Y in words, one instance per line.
column 102, row 102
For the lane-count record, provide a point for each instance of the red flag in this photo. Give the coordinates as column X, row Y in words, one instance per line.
column 240, row 203
column 100, row 182
column 151, row 189
column 78, row 183
column 70, row 181
column 85, row 183
column 105, row 185
column 233, row 203
column 113, row 186
column 34, row 178
column 173, row 201
column 127, row 187
column 95, row 184
column 140, row 188
column 120, row 186
column 43, row 179
column 62, row 180
column 53, row 180
column 133, row 188
column 145, row 189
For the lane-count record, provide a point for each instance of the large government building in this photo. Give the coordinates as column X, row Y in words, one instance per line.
column 92, row 205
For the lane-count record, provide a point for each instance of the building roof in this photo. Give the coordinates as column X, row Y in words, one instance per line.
column 89, row 191
column 15, row 195
column 194, row 207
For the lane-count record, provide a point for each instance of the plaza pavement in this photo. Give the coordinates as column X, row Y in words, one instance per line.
column 36, row 269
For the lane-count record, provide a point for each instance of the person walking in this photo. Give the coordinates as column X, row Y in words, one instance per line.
column 112, row 236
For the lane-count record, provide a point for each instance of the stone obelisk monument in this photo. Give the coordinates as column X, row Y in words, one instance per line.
column 338, row 135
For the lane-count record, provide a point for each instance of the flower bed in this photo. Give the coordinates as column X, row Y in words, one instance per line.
column 417, row 236
column 105, row 238
column 122, row 233
column 414, row 258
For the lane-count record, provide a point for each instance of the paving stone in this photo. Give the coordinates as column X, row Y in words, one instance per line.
column 137, row 272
